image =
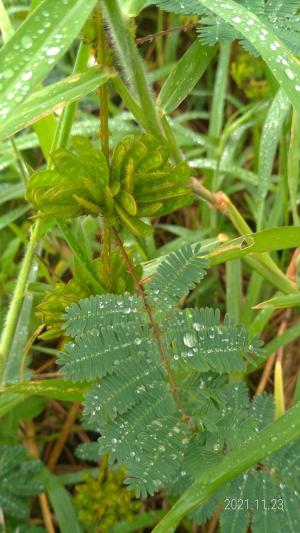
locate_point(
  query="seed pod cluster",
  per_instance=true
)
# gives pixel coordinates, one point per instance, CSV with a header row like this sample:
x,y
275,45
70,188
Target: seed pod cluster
x,y
141,182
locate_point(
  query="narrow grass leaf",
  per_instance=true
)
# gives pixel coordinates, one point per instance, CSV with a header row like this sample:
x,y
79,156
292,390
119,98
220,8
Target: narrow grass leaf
x,y
185,75
274,437
36,46
12,215
52,98
268,147
58,389
281,301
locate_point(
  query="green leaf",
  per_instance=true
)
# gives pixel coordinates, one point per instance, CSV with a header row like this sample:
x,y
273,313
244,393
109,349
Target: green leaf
x,y
53,97
62,504
185,75
54,388
12,215
281,301
132,8
263,241
35,48
271,439
282,63
176,275
19,474
11,192
270,137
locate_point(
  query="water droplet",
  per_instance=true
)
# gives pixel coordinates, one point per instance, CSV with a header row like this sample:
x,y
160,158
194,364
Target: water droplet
x,y
53,51
27,75
190,340
290,74
26,42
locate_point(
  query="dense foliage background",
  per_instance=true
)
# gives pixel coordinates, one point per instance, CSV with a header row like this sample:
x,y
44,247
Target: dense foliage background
x,y
131,132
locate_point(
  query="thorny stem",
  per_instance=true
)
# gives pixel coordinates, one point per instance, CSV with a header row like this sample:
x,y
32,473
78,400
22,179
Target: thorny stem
x,y
155,327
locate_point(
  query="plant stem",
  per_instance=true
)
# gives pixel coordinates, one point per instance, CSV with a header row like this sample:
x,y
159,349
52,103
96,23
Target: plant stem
x,y
103,93
132,63
61,138
104,136
155,327
64,126
17,300
263,263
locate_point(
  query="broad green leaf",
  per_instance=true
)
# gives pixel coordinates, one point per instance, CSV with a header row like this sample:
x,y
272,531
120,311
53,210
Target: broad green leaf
x,y
53,388
274,437
280,302
37,45
53,97
185,75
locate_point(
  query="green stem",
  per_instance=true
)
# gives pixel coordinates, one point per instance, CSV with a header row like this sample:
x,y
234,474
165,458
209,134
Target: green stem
x,y
86,265
262,262
17,300
129,101
132,63
103,93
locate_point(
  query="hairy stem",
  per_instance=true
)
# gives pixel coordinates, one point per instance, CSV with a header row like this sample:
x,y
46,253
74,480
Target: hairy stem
x,y
132,63
17,300
155,327
103,93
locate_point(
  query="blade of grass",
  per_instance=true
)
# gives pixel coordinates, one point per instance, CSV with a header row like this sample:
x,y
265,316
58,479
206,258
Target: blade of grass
x,y
53,97
29,55
184,76
281,301
293,165
59,389
12,215
274,437
282,63
62,504
268,146
234,288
